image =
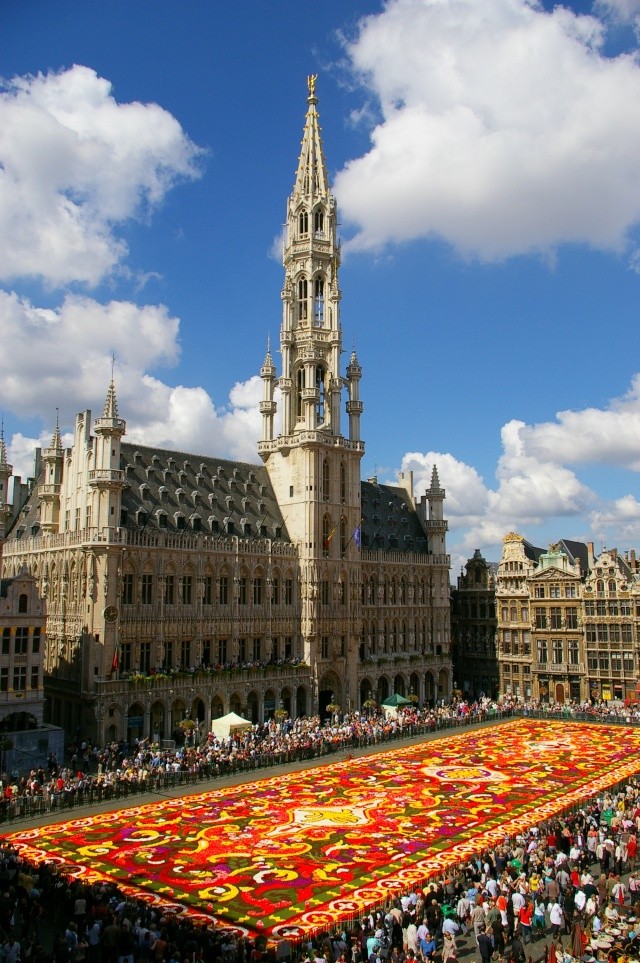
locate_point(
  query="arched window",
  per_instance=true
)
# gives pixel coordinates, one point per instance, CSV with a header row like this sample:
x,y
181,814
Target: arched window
x,y
325,480
343,535
303,223
300,389
318,222
326,534
302,299
612,588
318,301
322,394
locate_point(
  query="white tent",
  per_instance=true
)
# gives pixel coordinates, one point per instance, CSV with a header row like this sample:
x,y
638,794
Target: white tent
x,y
228,725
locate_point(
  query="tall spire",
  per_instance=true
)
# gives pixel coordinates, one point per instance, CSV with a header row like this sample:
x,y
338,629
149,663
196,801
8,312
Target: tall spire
x,y
56,440
311,177
3,447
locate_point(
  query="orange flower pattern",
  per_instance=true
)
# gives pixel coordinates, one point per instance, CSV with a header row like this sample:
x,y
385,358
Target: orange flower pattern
x,y
291,854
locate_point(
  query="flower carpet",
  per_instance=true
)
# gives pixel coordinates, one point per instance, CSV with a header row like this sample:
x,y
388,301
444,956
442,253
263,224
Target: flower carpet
x,y
289,855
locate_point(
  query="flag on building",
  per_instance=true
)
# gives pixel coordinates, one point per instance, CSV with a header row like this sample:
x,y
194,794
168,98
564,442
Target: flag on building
x,y
115,661
357,535
327,540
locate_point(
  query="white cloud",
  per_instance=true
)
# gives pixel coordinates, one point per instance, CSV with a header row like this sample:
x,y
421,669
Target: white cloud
x,y
618,522
62,359
622,11
533,484
466,492
74,163
186,419
538,490
504,129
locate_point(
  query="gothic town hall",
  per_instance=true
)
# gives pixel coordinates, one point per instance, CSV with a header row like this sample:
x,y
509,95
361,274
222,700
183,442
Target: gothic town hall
x,y
183,586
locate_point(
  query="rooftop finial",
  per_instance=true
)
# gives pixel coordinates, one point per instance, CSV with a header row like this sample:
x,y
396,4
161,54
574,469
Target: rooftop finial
x,y
311,84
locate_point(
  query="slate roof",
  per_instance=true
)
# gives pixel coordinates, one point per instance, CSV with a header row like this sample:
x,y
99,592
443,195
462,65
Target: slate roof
x,y
579,551
177,491
389,519
532,551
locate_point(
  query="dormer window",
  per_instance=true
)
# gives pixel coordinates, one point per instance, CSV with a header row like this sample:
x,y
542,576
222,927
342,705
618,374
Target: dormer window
x,y
180,521
196,523
162,519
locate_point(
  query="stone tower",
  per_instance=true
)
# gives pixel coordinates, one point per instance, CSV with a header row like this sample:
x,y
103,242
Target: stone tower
x,y
313,467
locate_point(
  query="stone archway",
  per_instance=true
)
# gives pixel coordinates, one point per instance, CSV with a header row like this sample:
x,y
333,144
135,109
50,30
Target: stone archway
x,y
156,719
382,689
301,701
135,722
329,692
399,685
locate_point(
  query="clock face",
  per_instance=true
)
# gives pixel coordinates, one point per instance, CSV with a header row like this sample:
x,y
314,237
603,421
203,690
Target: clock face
x,y
110,613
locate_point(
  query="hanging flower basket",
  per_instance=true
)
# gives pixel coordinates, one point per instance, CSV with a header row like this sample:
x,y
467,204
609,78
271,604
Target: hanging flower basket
x,y
333,707
187,725
280,714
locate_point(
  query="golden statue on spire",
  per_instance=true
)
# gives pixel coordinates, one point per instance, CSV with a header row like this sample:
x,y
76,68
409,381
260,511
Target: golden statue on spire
x,y
311,84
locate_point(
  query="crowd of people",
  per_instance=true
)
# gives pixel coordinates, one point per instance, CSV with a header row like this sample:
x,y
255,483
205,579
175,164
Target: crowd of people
x,y
565,890
92,774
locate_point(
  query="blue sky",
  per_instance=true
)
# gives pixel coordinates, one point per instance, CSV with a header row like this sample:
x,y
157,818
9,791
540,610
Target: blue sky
x,y
484,157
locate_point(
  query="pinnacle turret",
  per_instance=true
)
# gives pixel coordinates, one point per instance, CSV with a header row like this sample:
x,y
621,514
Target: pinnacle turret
x,y
56,439
110,409
4,465
110,423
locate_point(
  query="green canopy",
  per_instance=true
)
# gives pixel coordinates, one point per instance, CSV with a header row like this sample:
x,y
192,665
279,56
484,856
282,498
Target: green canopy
x,y
396,700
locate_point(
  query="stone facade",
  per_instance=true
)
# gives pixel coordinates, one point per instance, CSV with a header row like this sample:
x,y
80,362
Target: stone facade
x,y
182,585
473,629
568,622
